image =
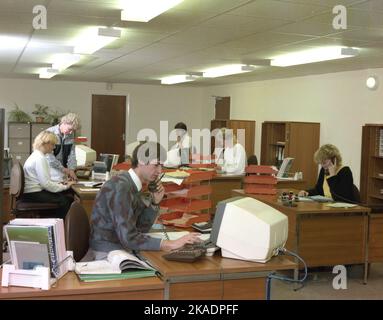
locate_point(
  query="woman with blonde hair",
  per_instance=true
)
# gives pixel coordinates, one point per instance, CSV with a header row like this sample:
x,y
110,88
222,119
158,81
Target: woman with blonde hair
x,y
335,180
39,187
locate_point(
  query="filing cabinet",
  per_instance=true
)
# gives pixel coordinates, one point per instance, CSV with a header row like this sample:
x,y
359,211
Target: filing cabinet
x,y
21,137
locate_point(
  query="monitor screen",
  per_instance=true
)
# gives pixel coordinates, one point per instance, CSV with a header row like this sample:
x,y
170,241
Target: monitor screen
x,y
85,156
247,229
109,159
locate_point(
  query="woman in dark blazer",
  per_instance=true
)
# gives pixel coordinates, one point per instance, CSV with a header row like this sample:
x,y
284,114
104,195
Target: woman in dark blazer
x,y
335,180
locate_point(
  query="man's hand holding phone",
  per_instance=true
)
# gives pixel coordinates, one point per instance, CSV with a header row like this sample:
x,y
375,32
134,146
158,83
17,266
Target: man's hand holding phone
x,y
157,190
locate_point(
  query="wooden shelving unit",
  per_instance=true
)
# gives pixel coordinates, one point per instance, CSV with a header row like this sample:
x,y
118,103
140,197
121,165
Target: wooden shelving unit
x,y
371,184
298,140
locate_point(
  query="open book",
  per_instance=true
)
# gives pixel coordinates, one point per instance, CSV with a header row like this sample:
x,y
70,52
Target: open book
x,y
118,265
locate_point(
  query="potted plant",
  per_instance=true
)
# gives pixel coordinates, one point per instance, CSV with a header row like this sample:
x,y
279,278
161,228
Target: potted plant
x,y
41,112
18,115
54,116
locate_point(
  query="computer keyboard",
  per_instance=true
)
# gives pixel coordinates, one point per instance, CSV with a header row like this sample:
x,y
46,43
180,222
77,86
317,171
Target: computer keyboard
x,y
200,245
185,255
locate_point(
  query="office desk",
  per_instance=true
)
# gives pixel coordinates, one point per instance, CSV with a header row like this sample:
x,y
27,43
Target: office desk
x,y
70,288
321,235
86,198
216,277
223,184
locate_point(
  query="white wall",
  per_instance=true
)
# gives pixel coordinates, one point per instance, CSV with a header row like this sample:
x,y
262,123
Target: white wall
x,y
147,104
339,101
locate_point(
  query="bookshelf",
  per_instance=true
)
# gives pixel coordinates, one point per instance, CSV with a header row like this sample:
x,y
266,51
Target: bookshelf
x,y
371,171
298,140
247,125
189,202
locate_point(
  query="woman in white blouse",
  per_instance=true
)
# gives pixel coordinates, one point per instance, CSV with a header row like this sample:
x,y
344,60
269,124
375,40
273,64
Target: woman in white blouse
x,y
230,154
39,187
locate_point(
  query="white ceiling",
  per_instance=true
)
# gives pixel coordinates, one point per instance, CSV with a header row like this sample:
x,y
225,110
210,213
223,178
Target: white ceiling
x,y
191,37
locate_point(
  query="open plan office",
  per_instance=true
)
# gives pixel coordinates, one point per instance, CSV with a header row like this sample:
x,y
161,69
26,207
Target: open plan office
x,y
191,150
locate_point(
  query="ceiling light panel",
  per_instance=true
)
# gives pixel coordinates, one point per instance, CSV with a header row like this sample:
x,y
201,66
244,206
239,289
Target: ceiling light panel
x,y
313,55
227,70
94,39
145,10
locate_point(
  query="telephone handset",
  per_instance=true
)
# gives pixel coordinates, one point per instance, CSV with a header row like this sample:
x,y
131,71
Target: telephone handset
x,y
333,162
152,186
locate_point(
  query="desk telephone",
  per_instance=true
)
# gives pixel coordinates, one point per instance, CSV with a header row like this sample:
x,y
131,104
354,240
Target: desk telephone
x,y
82,173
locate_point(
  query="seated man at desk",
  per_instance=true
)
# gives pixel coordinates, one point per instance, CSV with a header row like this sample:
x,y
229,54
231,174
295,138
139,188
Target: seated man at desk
x,y
230,155
122,215
335,180
179,153
39,187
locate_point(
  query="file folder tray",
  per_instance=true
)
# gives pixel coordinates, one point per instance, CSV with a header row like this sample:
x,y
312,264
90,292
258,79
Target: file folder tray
x,y
40,277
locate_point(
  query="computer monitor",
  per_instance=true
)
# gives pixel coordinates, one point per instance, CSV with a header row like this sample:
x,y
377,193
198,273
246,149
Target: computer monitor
x,y
109,159
284,170
247,229
85,156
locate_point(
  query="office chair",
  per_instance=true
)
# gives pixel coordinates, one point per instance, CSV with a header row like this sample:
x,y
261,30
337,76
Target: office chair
x,y
19,207
77,231
356,193
252,160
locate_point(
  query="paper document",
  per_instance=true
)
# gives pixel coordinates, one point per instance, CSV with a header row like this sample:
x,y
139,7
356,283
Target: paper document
x,y
305,199
319,198
176,235
90,184
89,189
341,205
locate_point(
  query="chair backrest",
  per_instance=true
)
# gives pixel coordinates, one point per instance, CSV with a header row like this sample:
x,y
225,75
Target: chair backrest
x,y
252,160
77,231
356,193
16,187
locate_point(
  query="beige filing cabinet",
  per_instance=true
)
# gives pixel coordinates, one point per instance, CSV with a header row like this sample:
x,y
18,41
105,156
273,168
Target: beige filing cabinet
x,y
20,138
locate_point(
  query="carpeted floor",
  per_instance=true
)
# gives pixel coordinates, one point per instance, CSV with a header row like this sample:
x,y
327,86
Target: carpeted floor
x,y
318,286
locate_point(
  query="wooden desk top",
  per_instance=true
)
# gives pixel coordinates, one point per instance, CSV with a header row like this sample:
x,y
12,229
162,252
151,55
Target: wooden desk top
x,y
214,265
85,195
311,207
169,269
235,266
70,285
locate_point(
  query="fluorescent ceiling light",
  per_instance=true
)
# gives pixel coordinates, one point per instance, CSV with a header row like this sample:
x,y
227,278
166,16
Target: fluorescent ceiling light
x,y
48,73
8,42
145,10
178,79
96,38
64,61
227,70
313,55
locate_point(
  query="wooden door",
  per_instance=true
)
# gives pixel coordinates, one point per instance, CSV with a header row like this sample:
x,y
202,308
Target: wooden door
x,y
302,140
108,124
222,108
